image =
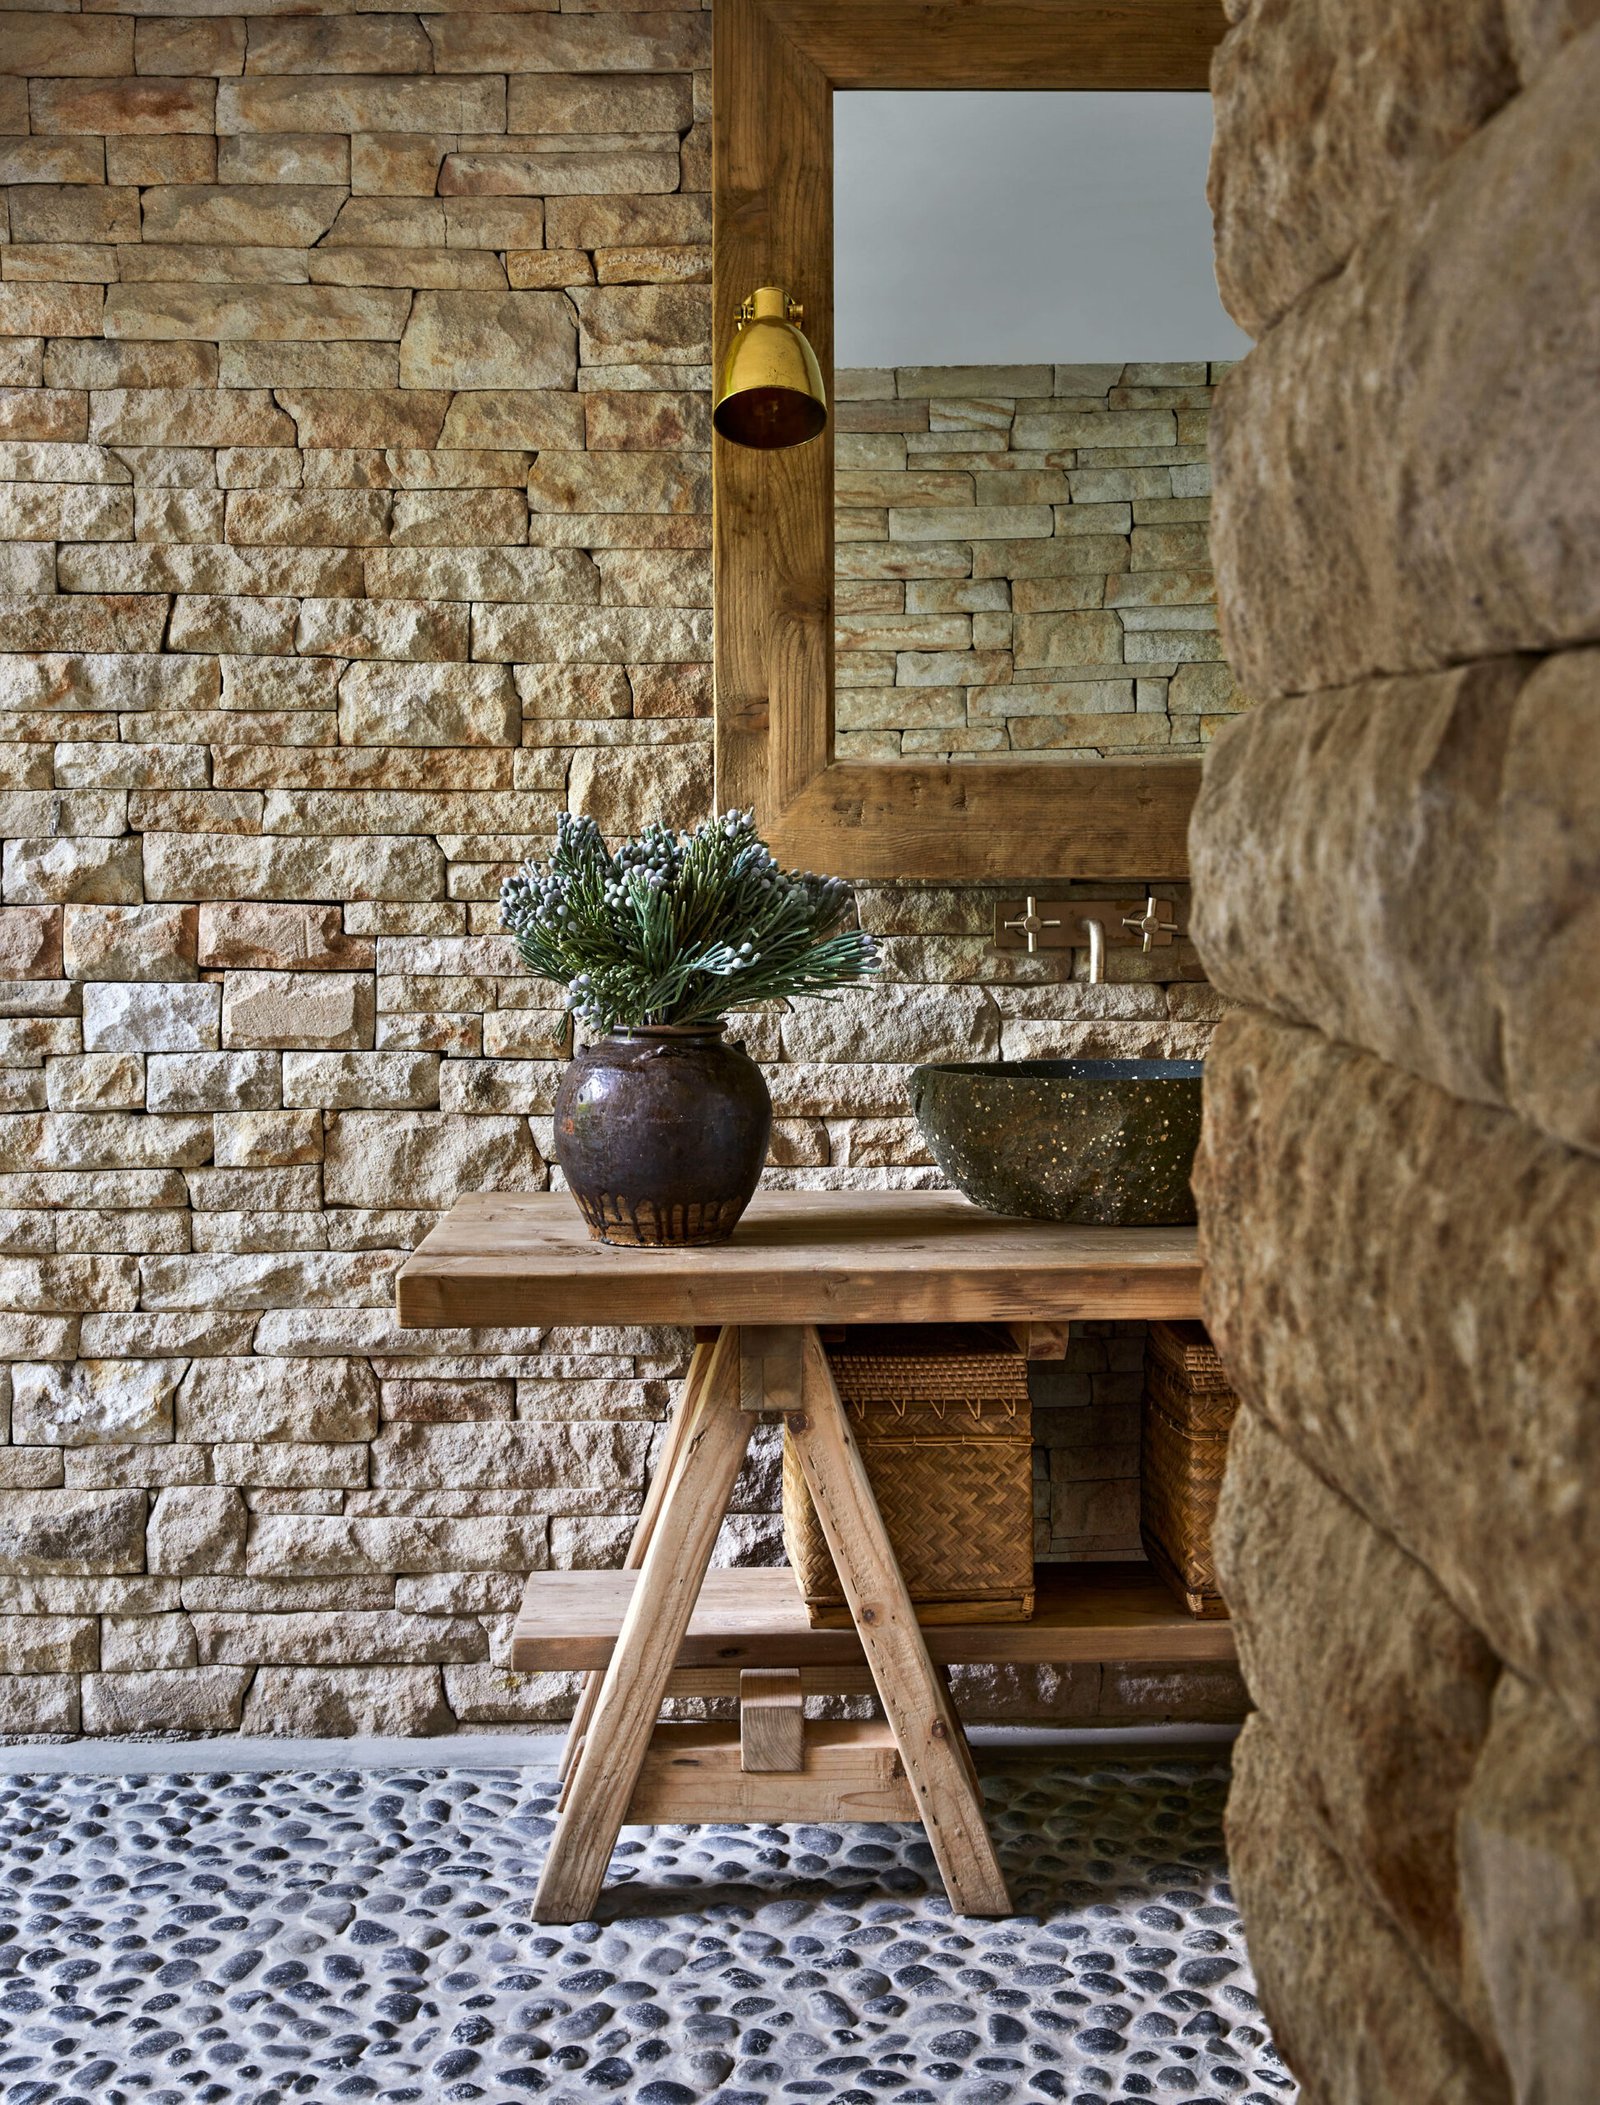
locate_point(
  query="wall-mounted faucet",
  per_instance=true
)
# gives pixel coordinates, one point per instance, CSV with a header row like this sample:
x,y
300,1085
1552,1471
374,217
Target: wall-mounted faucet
x,y
1032,924
1150,925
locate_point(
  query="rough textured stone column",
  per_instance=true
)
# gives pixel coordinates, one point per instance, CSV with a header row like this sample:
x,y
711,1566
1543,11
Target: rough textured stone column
x,y
1397,869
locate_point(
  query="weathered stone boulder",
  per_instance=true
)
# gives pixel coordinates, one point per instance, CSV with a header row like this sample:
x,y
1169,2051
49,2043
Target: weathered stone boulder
x,y
1418,436
1544,935
1530,1863
1328,116
1408,1288
1351,2011
1540,29
1365,1671
1343,851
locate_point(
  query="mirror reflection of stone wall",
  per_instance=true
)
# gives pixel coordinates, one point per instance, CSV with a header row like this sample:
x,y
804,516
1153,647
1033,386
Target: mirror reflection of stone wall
x,y
1022,563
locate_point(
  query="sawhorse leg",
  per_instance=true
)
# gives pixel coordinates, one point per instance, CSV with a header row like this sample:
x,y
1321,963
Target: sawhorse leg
x,y
785,1370
694,1498
671,1447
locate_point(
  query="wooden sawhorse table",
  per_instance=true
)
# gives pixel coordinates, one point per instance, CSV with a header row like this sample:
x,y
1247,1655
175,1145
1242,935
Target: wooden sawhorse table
x,y
798,1261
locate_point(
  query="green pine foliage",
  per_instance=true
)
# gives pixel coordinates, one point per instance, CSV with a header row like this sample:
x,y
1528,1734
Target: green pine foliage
x,y
680,927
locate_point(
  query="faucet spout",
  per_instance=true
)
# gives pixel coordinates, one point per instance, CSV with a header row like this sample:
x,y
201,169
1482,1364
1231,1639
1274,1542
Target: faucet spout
x,y
1097,951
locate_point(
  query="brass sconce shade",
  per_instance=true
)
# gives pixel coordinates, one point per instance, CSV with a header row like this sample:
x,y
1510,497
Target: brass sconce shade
x,y
772,393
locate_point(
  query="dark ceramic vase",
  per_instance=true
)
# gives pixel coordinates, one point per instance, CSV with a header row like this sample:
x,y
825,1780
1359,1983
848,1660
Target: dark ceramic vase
x,y
662,1132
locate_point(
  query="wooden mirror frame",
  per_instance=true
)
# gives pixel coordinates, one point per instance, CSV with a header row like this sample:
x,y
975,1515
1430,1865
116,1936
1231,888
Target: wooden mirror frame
x,y
775,67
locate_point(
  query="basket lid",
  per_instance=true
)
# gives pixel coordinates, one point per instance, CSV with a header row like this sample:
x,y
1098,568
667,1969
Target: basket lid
x,y
1187,1349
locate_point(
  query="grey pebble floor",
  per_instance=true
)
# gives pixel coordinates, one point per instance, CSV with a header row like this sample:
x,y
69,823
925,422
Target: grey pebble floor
x,y
217,1939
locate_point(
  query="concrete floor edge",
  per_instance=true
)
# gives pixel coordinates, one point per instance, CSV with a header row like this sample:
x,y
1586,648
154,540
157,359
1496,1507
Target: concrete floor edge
x,y
498,1750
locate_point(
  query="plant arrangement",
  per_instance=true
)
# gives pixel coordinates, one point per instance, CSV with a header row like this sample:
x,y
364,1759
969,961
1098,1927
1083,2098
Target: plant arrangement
x,y
679,928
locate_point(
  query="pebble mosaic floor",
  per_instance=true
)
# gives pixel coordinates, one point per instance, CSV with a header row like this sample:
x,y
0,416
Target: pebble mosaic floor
x,y
216,1939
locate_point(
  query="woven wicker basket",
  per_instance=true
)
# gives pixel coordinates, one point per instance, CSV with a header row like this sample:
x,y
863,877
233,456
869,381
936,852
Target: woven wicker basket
x,y
1188,1412
942,1420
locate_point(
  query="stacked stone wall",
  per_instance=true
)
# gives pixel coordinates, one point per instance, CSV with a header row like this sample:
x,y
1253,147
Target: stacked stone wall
x,y
1397,871
1023,563
353,519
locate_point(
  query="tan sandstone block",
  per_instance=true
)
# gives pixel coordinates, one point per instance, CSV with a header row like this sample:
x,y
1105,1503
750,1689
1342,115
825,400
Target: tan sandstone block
x,y
1344,855
1530,1844
44,1644
270,1009
619,482
72,869
41,1706
30,942
1540,29
375,1638
272,314
199,1082
131,1644
199,1699
429,705
97,1082
1384,437
624,788
1348,2005
1465,1330
283,215
183,47
199,1528
267,1139
113,106
486,340
361,103
279,938
340,1702
278,1399
66,46
1376,1684
423,1158
341,44
644,324
74,1533
1328,118
223,867
130,942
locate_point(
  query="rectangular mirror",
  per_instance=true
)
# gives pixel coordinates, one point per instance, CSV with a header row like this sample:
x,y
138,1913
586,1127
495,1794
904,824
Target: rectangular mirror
x,y
1026,337
875,749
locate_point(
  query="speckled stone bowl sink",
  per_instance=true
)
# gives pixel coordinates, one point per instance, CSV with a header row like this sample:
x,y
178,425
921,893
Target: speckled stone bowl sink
x,y
1106,1142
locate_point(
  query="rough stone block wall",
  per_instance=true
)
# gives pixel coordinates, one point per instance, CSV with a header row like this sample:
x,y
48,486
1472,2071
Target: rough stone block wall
x,y
1023,563
354,518
1397,871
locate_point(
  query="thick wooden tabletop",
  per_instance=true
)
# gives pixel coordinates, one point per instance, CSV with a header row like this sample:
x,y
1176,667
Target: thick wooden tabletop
x,y
510,1258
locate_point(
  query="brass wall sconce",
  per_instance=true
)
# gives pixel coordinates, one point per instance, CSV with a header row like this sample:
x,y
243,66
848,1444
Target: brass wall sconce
x,y
772,393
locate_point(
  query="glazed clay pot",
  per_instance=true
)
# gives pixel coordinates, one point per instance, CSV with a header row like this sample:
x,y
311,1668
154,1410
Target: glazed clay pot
x,y
662,1132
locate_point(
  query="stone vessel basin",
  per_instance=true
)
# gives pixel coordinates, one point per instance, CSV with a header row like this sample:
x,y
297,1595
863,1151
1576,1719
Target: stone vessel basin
x,y
1104,1142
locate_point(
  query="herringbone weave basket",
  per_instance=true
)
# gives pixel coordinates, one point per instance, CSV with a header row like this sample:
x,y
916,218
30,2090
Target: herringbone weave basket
x,y
942,1419
1183,1448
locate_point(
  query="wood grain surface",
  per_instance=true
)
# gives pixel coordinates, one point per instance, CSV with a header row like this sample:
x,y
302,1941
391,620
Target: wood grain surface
x,y
510,1258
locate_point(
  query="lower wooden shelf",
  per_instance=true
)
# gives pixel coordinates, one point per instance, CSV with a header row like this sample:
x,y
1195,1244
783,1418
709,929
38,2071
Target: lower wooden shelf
x,y
692,1773
1110,1614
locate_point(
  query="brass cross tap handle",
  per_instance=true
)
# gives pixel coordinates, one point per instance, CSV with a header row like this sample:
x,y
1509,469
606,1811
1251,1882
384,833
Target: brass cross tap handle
x,y
1031,924
1149,924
